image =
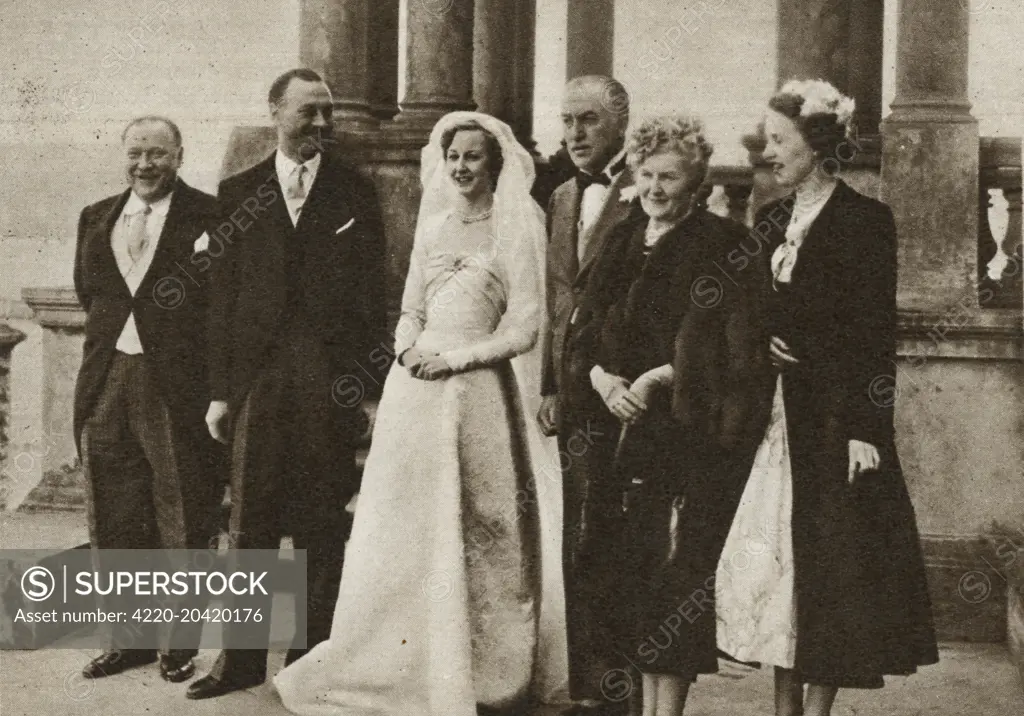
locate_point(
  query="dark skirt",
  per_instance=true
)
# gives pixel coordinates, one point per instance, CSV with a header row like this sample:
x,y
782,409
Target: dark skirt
x,y
863,609
679,508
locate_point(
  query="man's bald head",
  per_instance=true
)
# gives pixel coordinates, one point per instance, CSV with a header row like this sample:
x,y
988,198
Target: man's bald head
x,y
595,114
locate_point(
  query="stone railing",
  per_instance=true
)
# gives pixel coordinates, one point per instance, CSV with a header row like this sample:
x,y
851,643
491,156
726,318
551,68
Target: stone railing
x,y
730,192
9,337
1000,261
50,476
737,191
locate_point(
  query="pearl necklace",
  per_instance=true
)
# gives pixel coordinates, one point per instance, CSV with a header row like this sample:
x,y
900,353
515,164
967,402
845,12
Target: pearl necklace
x,y
471,219
811,193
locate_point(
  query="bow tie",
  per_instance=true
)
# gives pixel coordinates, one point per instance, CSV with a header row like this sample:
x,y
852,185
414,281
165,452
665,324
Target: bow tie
x,y
583,180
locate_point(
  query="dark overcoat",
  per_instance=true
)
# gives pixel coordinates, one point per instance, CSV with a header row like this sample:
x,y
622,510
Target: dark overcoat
x,y
863,608
684,463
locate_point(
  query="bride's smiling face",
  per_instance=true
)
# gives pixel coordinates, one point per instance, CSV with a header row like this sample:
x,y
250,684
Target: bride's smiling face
x,y
468,164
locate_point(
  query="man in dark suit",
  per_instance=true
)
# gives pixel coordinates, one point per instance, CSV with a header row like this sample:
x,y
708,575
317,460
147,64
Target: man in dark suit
x,y
296,307
581,214
141,393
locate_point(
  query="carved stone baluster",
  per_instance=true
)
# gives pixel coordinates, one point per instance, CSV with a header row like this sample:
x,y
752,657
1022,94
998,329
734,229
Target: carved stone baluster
x,y
9,337
988,247
738,200
1012,284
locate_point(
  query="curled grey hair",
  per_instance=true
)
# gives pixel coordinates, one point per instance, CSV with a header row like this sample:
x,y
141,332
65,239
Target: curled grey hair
x,y
681,134
607,90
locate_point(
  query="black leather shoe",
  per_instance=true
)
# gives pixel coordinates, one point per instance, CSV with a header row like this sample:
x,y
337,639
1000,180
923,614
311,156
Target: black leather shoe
x,y
176,667
117,660
209,687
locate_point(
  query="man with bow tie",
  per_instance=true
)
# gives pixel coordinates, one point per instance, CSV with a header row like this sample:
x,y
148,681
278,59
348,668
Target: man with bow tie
x,y
581,213
297,308
150,466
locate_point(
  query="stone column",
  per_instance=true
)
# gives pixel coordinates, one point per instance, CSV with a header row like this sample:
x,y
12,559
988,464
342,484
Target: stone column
x,y
839,41
384,59
438,59
335,38
930,159
494,56
523,74
590,38
864,63
503,48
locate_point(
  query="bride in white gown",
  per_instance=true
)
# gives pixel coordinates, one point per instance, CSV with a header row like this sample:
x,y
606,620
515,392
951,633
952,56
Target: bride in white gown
x,y
451,597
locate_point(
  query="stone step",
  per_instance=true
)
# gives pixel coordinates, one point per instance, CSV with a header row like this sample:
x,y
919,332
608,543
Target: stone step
x,y
58,490
36,635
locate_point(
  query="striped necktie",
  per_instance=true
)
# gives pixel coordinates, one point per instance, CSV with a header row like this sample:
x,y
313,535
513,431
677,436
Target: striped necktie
x,y
138,234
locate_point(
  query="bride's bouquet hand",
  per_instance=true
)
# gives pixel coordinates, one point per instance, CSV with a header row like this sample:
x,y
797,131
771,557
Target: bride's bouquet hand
x,y
433,367
411,359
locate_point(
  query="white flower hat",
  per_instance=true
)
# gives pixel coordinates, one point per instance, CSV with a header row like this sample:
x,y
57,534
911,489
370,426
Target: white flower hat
x,y
821,97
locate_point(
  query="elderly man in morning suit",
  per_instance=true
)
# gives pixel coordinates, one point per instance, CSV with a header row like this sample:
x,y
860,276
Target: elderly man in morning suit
x,y
150,466
581,213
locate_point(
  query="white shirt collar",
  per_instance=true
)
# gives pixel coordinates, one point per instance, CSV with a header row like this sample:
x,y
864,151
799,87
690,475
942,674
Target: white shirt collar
x,y
285,165
615,160
607,171
135,204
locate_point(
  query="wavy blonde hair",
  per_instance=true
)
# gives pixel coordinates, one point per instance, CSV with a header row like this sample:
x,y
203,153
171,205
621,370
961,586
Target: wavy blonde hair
x,y
682,134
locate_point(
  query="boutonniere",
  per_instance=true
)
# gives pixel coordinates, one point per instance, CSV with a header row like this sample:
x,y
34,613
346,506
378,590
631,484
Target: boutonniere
x,y
627,194
202,243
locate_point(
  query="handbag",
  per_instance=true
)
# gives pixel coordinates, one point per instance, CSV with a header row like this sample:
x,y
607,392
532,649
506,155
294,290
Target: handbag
x,y
643,502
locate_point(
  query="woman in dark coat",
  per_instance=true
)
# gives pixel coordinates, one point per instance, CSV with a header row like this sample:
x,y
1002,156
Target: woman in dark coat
x,y
822,574
674,354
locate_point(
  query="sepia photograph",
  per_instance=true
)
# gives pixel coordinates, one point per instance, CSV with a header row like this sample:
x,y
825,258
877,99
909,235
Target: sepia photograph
x,y
512,358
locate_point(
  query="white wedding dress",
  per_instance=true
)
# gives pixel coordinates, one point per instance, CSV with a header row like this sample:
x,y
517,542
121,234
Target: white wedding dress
x,y
451,594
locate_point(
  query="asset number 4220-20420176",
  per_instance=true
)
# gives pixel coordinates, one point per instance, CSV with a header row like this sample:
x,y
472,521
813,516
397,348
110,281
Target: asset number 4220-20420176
x,y
197,615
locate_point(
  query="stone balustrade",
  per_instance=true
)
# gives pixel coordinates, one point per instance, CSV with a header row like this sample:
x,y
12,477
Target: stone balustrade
x,y
1000,260
51,474
9,337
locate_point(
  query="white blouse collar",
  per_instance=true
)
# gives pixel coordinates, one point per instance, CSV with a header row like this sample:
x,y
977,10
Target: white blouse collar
x,y
813,192
811,196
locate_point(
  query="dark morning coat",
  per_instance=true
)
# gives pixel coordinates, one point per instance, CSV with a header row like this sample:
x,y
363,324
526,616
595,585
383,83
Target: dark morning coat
x,y
170,305
296,320
862,601
340,274
566,274
694,446
586,495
